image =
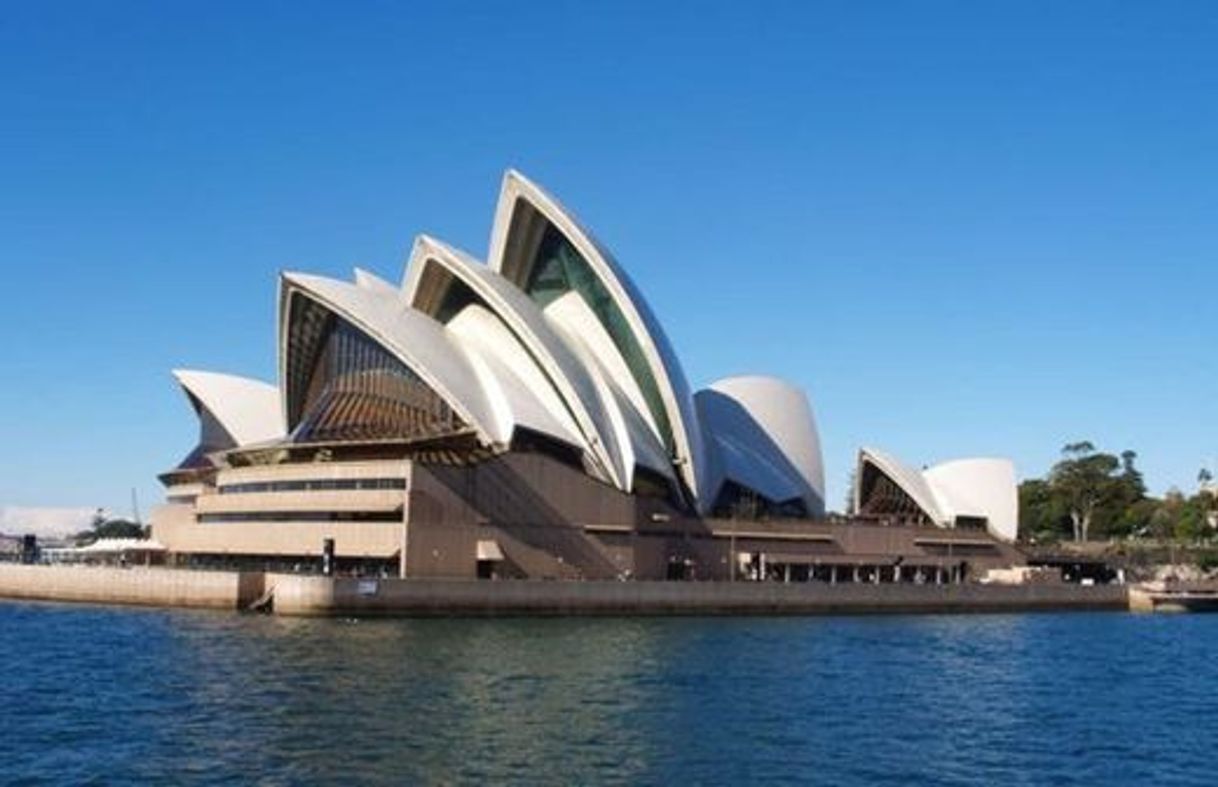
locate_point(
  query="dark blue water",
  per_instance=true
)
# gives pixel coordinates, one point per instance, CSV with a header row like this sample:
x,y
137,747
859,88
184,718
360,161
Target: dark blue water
x,y
113,695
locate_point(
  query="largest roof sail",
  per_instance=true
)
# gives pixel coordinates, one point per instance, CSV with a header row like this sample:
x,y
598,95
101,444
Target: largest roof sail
x,y
446,284
542,249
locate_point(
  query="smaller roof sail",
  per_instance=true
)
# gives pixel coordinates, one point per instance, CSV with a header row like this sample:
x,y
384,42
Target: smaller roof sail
x,y
233,411
518,391
979,488
974,490
418,342
765,438
627,432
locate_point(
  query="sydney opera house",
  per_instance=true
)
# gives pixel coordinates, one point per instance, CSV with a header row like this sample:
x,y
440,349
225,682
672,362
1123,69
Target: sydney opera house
x,y
527,417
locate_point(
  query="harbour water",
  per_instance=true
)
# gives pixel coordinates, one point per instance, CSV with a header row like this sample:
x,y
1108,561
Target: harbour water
x,y
109,695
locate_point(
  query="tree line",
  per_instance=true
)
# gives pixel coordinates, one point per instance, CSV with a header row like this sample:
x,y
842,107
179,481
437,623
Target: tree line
x,y
103,526
1090,495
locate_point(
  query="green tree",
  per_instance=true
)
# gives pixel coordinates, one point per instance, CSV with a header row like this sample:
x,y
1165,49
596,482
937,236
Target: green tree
x,y
1137,519
1042,516
1083,479
1123,496
104,527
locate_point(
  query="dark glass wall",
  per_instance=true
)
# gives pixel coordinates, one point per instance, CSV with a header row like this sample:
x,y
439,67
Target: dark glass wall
x,y
343,385
559,268
879,495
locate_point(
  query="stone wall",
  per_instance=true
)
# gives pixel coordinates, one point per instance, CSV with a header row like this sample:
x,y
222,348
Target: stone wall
x,y
299,595
146,586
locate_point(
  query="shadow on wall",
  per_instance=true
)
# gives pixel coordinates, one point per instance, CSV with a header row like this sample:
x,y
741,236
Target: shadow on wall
x,y
507,499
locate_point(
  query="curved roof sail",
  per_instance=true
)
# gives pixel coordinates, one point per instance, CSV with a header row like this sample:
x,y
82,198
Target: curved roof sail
x,y
541,248
418,342
980,490
629,434
233,411
442,282
765,436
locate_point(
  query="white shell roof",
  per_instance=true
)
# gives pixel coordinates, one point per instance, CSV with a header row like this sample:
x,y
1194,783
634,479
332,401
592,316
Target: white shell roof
x,y
907,478
503,362
974,487
516,388
247,410
629,436
418,341
766,436
979,487
690,457
568,376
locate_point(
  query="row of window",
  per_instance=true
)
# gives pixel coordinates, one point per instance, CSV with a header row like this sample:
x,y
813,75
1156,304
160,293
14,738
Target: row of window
x,y
304,516
321,485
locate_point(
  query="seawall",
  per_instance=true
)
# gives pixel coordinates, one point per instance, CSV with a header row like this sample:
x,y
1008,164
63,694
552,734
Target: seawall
x,y
142,586
319,596
299,595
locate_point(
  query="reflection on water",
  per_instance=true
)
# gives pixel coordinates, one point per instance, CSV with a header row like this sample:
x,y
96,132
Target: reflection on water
x,y
153,696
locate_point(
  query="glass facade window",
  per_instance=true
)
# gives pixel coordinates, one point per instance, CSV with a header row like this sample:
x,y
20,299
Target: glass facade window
x,y
881,496
558,268
343,385
736,501
303,516
257,487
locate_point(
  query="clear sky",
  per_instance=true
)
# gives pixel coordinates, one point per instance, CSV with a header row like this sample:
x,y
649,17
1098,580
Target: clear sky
x,y
966,228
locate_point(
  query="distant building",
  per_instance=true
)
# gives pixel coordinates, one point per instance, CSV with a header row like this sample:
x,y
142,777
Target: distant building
x,y
10,548
524,417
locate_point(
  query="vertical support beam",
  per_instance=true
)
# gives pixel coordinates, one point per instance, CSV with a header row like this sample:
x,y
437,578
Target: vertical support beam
x,y
404,550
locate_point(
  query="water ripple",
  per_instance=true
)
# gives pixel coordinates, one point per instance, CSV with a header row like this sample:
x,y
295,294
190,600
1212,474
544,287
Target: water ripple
x,y
94,695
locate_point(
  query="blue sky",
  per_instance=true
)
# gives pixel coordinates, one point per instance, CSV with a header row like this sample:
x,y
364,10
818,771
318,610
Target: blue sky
x,y
966,228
